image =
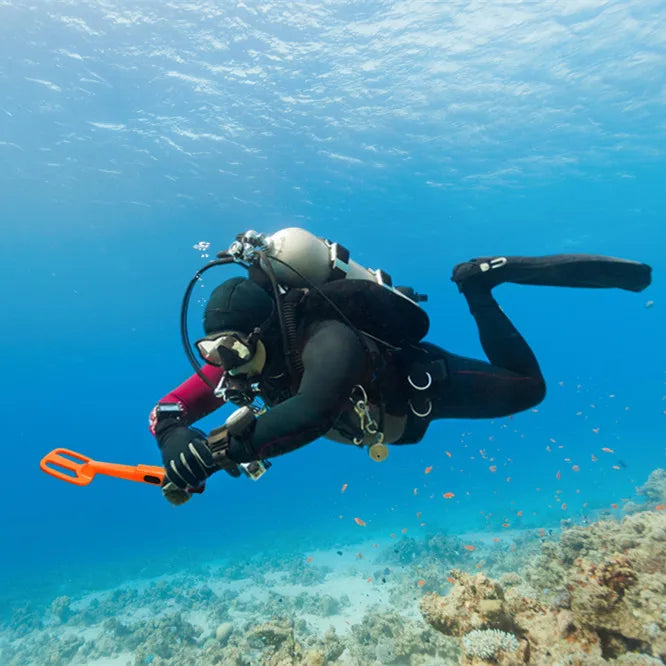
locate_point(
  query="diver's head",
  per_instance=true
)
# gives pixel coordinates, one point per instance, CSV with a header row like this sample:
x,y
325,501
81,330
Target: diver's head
x,y
236,314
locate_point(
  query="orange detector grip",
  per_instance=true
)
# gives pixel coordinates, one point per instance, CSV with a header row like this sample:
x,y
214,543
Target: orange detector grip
x,y
80,470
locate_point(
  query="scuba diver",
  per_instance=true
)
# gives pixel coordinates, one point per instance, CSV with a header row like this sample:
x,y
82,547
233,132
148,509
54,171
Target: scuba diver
x,y
311,344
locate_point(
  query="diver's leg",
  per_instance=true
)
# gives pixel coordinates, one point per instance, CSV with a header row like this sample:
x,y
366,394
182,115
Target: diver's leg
x,y
476,390
557,270
510,383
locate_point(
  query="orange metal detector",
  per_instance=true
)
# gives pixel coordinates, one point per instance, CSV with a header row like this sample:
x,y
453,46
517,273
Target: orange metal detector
x,y
80,470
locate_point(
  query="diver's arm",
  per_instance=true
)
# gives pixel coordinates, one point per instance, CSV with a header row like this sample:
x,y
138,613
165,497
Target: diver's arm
x,y
334,361
194,396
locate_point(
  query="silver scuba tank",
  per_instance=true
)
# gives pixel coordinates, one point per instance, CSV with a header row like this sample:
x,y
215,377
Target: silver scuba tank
x,y
301,259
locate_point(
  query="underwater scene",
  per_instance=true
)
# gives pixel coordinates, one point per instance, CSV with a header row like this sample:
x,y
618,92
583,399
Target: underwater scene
x,y
333,332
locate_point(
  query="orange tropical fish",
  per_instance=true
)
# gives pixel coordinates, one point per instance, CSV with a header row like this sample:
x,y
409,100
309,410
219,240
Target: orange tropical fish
x,y
505,525
575,468
392,535
564,506
428,469
448,453
418,514
420,582
558,476
660,507
360,522
470,548
404,530
519,513
542,532
451,580
370,580
448,495
492,468
614,505
344,487
495,539
605,449
309,560
594,458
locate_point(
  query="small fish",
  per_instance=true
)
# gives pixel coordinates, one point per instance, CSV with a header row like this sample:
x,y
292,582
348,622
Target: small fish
x,y
519,513
404,530
470,548
451,580
558,476
594,458
595,431
428,469
420,582
564,506
495,540
660,507
448,495
415,491
575,468
418,514
360,522
505,525
448,453
344,487
605,449
309,560
492,468
370,580
616,467
359,555
614,505
392,535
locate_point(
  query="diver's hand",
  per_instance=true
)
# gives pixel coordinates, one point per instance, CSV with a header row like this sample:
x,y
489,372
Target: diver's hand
x,y
175,495
187,459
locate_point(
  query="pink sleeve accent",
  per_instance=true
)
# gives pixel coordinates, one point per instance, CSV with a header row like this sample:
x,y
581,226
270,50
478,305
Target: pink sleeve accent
x,y
195,396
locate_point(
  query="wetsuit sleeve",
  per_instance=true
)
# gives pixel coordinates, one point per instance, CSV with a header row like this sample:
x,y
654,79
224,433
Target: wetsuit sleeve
x,y
333,362
194,395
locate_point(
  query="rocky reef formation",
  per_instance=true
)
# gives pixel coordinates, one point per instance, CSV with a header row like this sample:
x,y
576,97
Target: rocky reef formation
x,y
597,596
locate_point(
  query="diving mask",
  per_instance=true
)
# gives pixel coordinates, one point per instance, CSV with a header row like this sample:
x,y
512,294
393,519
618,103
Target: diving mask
x,y
229,349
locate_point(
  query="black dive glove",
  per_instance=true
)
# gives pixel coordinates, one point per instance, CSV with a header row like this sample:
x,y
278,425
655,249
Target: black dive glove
x,y
187,459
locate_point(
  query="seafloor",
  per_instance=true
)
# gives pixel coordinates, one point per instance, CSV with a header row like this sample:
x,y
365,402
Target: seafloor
x,y
582,595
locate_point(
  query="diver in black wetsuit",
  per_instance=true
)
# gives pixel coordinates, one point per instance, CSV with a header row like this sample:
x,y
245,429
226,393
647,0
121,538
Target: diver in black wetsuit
x,y
339,380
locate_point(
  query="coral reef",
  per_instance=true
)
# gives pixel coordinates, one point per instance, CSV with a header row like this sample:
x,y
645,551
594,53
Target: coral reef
x,y
596,597
489,644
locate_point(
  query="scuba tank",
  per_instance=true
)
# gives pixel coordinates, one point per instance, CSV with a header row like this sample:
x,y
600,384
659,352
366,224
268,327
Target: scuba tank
x,y
300,259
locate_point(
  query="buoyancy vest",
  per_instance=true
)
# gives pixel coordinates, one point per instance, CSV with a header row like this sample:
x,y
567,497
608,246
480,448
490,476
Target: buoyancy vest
x,y
371,308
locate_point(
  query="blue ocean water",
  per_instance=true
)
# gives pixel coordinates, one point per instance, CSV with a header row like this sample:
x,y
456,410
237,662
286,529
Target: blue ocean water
x,y
418,134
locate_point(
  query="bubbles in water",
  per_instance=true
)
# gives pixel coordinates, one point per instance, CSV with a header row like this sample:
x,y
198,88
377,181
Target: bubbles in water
x,y
202,246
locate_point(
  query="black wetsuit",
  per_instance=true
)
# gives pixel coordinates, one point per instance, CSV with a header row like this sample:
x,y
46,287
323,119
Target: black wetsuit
x,y
335,360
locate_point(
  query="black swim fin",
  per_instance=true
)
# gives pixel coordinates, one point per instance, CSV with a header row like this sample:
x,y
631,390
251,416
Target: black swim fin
x,y
556,270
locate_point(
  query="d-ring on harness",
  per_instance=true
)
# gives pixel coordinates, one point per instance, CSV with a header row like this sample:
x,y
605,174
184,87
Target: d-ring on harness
x,y
421,387
422,378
